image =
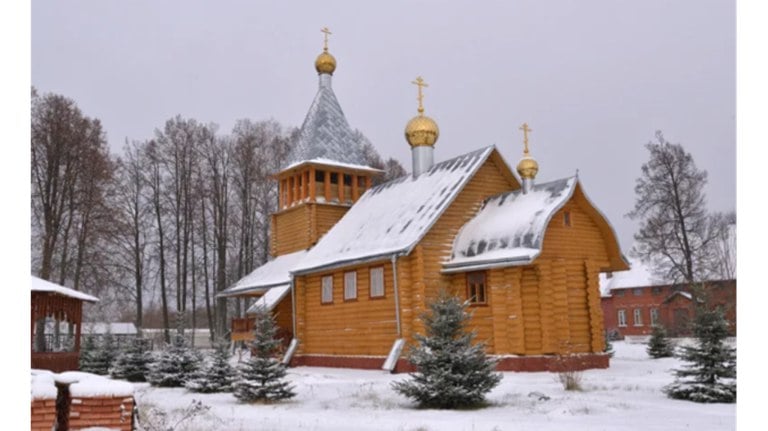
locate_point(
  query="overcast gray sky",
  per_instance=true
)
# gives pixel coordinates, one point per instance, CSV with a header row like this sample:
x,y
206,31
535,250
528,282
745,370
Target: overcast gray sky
x,y
594,79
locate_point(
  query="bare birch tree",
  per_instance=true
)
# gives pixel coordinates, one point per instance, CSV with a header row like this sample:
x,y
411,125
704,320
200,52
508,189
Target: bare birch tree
x,y
676,232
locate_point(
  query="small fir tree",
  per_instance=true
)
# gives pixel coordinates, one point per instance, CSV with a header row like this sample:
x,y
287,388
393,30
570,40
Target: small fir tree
x,y
87,354
177,363
710,375
217,376
608,344
262,377
452,372
133,363
659,345
100,355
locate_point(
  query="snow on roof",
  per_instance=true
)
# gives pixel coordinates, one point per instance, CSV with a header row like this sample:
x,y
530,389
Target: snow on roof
x,y
325,133
392,217
82,385
40,285
329,162
509,228
639,275
270,299
109,327
686,295
273,273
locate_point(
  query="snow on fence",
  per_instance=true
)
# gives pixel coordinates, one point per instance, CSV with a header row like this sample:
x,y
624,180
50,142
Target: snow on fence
x,y
80,399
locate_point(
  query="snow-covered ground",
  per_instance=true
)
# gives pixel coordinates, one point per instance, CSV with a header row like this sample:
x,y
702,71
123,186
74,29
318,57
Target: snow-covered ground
x,y
627,396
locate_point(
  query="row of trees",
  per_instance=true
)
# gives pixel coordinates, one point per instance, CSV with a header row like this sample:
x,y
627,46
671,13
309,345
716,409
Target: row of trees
x,y
166,224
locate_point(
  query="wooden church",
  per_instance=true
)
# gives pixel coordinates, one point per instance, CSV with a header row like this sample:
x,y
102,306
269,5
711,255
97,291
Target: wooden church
x,y
354,265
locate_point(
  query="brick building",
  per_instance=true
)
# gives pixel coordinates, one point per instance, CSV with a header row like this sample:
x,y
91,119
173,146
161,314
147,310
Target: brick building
x,y
632,303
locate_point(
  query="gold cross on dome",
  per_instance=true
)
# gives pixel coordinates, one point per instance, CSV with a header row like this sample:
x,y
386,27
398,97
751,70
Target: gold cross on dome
x,y
420,83
325,42
525,130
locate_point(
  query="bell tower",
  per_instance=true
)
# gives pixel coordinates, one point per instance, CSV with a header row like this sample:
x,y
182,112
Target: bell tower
x,y
326,171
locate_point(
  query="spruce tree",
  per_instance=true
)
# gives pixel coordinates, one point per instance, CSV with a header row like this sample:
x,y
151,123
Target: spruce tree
x,y
659,345
217,376
133,363
608,344
262,377
97,357
710,373
452,372
87,354
177,363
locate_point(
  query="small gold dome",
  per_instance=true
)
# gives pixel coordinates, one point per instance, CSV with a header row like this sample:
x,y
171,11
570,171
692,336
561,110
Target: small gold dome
x,y
527,167
421,130
325,63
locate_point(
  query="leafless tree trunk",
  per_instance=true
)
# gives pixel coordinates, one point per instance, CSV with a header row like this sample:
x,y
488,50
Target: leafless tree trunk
x,y
155,186
215,171
129,236
676,232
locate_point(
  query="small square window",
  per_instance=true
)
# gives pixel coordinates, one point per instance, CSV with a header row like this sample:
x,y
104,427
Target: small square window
x,y
347,180
327,290
618,292
476,288
377,282
638,291
656,290
350,285
334,178
319,176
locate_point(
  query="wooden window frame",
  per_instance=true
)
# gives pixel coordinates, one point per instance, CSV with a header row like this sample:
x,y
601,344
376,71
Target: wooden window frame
x,y
383,283
654,316
567,218
483,286
637,317
346,285
621,317
322,290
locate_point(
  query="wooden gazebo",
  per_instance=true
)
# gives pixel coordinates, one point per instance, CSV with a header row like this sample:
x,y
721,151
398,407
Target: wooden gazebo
x,y
53,305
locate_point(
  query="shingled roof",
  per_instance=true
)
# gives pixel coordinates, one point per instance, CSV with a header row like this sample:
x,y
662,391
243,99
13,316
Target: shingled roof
x,y
325,133
509,228
391,218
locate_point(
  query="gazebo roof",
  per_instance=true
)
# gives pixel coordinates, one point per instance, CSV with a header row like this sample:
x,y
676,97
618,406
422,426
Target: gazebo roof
x,y
40,285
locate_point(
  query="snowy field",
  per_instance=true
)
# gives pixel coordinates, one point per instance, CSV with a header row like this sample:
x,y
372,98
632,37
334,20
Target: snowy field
x,y
627,396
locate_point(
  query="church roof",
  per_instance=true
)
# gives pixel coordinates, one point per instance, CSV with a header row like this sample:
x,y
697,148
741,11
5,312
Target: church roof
x,y
276,272
325,133
509,228
392,217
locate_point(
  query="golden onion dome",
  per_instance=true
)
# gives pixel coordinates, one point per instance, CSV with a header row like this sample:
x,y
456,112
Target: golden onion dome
x,y
325,63
421,130
527,167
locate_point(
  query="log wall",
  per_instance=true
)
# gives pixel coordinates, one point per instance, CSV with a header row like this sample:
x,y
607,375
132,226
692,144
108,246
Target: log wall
x,y
362,326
